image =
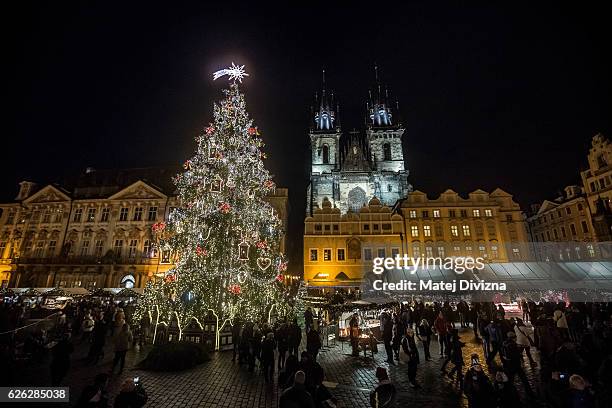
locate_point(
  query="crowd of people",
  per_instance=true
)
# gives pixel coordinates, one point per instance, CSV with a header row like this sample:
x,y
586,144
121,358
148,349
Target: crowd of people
x,y
89,323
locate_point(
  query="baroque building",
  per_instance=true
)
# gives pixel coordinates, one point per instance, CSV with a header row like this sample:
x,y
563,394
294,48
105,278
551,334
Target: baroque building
x,y
93,230
350,169
576,225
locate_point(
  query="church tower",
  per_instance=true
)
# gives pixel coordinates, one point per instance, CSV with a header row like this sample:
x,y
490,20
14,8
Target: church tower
x,y
324,145
384,130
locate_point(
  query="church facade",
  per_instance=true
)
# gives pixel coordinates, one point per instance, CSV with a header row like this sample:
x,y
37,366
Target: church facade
x,y
349,169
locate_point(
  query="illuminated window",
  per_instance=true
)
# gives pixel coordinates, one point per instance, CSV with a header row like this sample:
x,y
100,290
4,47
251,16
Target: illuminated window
x,y
456,250
132,248
412,213
427,230
59,214
414,231
77,215
39,249
340,254
416,250
91,214
468,250
494,253
488,213
516,253
454,231
436,213
118,247
146,248
138,214
482,251
429,252
466,231
441,251
476,213
591,250
123,214
314,255
327,255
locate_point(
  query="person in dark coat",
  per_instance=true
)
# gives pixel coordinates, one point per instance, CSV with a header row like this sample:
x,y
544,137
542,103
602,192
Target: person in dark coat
x,y
285,376
294,337
282,344
354,334
308,319
313,343
456,357
267,356
385,393
506,395
477,387
236,340
386,327
296,396
398,333
94,395
61,360
410,349
424,333
98,338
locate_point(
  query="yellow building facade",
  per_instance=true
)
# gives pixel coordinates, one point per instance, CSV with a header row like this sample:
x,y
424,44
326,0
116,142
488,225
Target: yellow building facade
x,y
339,248
95,233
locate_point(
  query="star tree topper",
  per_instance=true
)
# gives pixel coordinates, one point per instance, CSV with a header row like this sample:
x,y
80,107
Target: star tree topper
x,y
235,73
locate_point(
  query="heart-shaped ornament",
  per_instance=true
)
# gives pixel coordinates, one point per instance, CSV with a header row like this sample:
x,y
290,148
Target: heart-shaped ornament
x,y
264,263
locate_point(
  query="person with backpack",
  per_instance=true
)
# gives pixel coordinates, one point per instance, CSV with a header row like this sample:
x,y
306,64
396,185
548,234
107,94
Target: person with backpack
x,y
524,339
496,339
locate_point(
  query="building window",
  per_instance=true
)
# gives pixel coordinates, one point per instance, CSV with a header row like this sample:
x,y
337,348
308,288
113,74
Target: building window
x,y
367,254
466,231
77,215
366,227
325,154
509,217
152,213
2,248
439,233
488,213
318,227
138,214
146,249
327,255
436,213
51,249
416,250
463,213
412,213
476,213
585,227
427,230
35,216
84,248
429,252
456,250
394,252
314,255
381,252
516,253
563,234
335,228
425,213
386,227
590,250
105,214
59,213
579,207
46,216
91,214
99,248
454,231
481,251
39,249
479,230
386,152
568,210
375,226
132,248
556,233
10,218
118,247
573,229
468,250
452,213
340,254
327,227
414,231
548,236
494,253
123,214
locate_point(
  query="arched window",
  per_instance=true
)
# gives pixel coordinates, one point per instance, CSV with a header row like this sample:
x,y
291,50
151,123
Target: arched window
x,y
386,152
128,281
325,154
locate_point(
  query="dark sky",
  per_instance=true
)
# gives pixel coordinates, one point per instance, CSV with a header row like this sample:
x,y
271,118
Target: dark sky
x,y
506,96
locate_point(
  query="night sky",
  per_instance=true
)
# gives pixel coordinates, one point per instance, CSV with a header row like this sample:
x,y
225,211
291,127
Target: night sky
x,y
490,96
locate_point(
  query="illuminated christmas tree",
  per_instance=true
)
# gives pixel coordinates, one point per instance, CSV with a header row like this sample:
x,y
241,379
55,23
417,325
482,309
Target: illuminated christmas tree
x,y
224,237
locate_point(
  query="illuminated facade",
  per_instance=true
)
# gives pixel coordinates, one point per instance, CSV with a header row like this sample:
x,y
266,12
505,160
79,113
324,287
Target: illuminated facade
x,y
92,231
339,248
349,169
566,227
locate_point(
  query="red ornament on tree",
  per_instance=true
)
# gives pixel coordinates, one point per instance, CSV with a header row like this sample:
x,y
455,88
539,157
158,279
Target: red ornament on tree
x,y
282,266
158,227
262,244
209,130
280,277
252,131
225,208
201,251
171,277
235,289
268,184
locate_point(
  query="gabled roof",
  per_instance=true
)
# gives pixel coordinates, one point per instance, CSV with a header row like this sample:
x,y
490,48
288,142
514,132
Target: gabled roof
x,y
547,206
498,192
139,189
47,194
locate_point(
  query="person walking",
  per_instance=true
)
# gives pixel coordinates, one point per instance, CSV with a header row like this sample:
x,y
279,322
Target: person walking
x,y
122,341
440,327
511,359
412,353
294,338
282,345
354,334
506,395
524,339
98,339
496,339
477,387
398,333
308,319
424,335
385,393
313,343
267,357
236,340
87,327
386,326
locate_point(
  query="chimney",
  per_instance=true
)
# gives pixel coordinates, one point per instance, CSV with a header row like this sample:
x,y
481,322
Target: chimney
x,y
25,190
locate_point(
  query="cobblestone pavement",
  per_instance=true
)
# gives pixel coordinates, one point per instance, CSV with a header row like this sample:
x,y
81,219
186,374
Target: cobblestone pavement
x,y
220,383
